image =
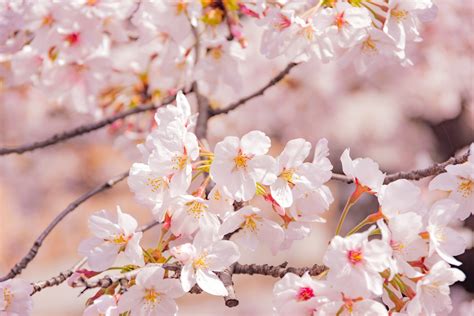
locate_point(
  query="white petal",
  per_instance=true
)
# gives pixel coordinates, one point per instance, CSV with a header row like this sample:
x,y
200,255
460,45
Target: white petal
x,y
255,143
210,283
281,192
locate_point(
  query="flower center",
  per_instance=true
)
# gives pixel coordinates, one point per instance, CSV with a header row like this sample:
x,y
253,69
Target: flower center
x,y
196,208
354,256
7,297
72,38
120,239
241,160
399,15
250,222
305,293
369,46
287,175
151,296
201,262
216,52
466,187
339,21
180,162
156,184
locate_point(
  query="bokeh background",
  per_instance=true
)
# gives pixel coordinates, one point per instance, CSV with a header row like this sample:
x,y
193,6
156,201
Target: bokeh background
x,y
403,117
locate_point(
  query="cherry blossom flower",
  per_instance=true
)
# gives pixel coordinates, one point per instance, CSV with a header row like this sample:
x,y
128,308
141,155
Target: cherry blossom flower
x,y
445,241
291,158
459,182
364,171
190,213
113,233
294,295
432,291
152,294
175,149
403,235
355,263
254,228
105,305
220,202
15,298
399,197
150,187
402,23
201,259
343,23
239,164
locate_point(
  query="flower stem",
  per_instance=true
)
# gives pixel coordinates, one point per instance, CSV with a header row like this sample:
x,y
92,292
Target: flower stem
x,y
359,190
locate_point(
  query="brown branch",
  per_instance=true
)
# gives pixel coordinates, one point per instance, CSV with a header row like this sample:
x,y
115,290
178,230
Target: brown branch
x,y
415,175
204,113
81,130
277,271
248,269
427,172
17,268
257,93
57,280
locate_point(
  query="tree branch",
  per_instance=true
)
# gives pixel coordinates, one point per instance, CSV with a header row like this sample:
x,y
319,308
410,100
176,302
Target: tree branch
x,y
17,268
248,269
418,174
83,129
257,93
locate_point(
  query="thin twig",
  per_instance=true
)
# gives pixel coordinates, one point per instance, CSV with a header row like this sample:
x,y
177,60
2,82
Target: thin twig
x,y
57,280
418,174
83,129
17,268
257,93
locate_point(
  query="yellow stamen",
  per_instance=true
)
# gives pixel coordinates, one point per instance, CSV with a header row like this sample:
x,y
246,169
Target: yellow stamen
x,y
151,296
196,208
180,162
7,297
369,46
399,15
201,262
250,222
241,160
466,187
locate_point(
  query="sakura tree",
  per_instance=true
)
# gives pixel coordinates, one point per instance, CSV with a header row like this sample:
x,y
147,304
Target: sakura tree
x,y
134,66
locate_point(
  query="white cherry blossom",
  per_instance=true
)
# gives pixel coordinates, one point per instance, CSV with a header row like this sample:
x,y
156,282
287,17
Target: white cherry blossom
x,y
113,233
239,164
294,295
15,299
444,240
458,180
364,171
202,259
253,228
105,305
354,263
432,291
152,294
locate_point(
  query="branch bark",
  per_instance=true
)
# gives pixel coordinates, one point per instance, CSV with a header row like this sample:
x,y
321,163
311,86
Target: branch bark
x,y
415,175
81,130
17,268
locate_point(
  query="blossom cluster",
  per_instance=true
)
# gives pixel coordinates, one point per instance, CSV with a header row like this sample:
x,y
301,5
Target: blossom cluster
x,y
204,202
107,55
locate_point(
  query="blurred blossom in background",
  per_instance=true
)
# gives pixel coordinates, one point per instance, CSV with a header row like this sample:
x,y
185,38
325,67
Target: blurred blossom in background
x,y
402,117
